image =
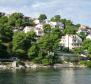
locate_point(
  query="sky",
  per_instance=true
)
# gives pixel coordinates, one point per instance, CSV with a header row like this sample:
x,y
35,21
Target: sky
x,y
79,11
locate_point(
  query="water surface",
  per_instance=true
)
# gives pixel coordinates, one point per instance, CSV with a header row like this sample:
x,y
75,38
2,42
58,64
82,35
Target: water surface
x,y
46,76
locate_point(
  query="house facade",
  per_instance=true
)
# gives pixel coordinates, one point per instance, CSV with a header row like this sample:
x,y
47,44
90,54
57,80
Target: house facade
x,y
84,29
28,29
71,41
36,21
56,24
88,37
39,30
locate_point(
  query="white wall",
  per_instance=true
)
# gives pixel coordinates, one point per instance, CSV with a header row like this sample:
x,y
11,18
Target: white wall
x,y
71,41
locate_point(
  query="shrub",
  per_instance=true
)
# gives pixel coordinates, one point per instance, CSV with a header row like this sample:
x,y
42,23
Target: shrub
x,y
86,63
45,62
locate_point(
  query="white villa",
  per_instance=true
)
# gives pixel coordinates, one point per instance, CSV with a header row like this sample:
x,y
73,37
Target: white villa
x,y
36,21
71,41
55,24
84,29
39,30
39,26
88,37
28,29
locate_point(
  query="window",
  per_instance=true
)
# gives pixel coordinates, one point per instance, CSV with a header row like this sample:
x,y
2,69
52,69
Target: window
x,y
40,32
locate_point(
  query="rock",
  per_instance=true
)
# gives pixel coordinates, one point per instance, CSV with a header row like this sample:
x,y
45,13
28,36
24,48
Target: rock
x,y
71,65
20,67
58,65
27,65
14,64
34,66
3,67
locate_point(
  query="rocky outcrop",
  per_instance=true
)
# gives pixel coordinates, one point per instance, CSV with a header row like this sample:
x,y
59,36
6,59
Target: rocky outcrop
x,y
14,65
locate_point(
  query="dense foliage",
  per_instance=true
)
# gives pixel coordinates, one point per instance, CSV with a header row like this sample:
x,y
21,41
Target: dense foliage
x,y
42,17
28,45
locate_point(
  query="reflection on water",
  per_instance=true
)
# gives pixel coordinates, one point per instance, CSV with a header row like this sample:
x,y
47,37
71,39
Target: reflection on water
x,y
67,76
46,76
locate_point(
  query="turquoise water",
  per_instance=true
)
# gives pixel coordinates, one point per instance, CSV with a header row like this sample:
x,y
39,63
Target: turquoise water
x,y
46,76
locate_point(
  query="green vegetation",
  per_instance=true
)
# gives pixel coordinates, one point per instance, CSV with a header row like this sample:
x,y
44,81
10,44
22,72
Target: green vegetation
x,y
70,30
82,35
42,17
56,18
86,47
42,49
22,42
86,63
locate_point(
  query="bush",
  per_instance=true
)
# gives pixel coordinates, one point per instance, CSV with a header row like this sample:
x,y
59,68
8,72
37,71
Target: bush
x,y
83,62
86,63
37,60
20,63
45,62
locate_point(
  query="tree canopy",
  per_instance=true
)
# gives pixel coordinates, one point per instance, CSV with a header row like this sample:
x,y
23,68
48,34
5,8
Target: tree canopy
x,y
41,49
42,17
56,18
70,30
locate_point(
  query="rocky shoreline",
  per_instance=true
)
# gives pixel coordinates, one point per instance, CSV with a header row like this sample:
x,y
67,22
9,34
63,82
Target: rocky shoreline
x,y
14,65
